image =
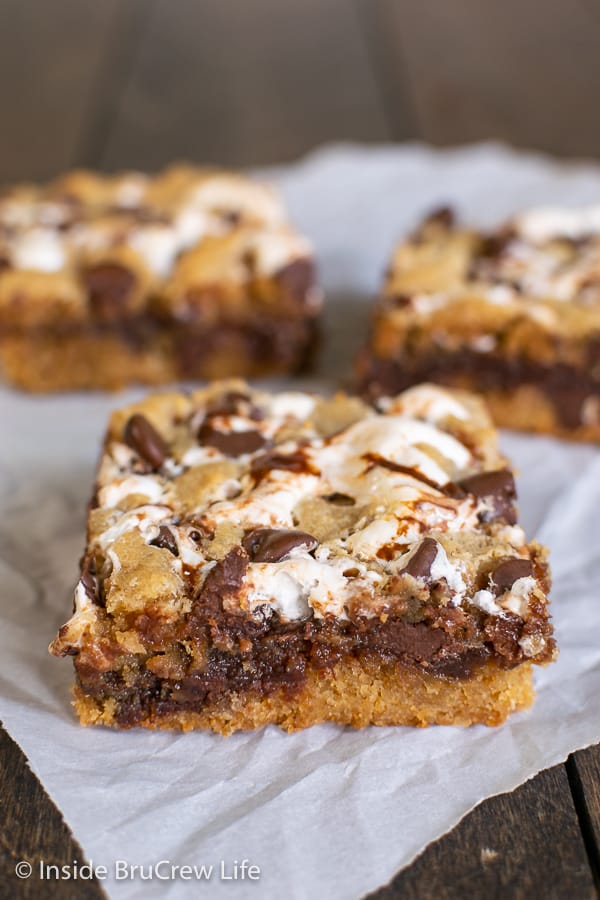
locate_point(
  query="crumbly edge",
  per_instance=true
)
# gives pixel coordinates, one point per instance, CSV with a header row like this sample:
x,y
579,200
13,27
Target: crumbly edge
x,y
356,693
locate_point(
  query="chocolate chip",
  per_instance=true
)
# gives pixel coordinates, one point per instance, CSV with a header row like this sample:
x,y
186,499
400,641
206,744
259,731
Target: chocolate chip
x,y
398,301
231,443
419,565
272,544
109,286
227,405
222,582
142,436
443,216
297,278
231,216
4,264
460,666
494,245
498,489
507,572
234,403
289,462
88,578
166,540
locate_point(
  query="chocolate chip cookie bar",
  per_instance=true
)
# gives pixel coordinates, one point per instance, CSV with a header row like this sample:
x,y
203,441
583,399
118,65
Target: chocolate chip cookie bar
x,y
259,558
188,274
514,314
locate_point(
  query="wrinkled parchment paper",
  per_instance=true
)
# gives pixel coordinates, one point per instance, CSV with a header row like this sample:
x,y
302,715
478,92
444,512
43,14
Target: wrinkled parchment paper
x,y
328,812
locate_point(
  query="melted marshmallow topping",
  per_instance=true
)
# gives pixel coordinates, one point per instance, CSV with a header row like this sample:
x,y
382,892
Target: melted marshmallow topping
x,y
356,509
50,228
544,254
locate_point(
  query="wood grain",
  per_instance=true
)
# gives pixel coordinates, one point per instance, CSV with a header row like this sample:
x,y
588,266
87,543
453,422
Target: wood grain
x,y
32,829
50,55
522,845
583,769
129,25
245,83
518,70
138,82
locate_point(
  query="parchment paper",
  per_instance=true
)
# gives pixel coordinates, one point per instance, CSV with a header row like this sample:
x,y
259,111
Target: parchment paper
x,y
329,812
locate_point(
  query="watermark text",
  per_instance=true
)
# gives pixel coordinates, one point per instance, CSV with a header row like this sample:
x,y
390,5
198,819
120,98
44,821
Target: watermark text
x,y
123,870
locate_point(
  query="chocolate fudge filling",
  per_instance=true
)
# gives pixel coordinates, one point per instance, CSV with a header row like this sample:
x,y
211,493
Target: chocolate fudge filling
x,y
218,652
289,342
110,287
264,342
567,387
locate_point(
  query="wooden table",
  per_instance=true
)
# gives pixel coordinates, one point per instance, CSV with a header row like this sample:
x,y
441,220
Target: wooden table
x,y
251,82
542,841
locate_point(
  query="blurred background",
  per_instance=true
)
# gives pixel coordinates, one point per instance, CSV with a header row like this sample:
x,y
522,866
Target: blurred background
x,y
136,83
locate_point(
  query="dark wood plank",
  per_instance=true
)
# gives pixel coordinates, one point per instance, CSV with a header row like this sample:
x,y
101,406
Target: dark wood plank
x,y
514,70
389,68
113,73
50,55
522,845
246,83
583,769
32,829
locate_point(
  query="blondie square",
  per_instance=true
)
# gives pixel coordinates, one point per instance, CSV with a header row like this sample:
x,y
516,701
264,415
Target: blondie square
x,y
258,558
513,314
192,273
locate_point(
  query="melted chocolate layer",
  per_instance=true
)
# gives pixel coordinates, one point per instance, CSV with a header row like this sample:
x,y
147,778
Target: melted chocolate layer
x,y
287,343
567,387
229,652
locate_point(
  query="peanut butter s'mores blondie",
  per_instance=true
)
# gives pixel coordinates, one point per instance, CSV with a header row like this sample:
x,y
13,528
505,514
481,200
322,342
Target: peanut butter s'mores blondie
x,y
289,559
190,273
514,314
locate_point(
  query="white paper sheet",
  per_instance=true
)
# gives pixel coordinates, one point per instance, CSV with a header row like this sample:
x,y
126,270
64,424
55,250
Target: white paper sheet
x,y
328,812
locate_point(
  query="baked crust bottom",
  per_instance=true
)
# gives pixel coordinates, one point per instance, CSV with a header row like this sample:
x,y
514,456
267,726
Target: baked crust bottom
x,y
46,362
356,693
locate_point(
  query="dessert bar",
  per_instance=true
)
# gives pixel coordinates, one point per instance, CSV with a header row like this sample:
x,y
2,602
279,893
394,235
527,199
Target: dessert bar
x,y
513,313
192,273
259,558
